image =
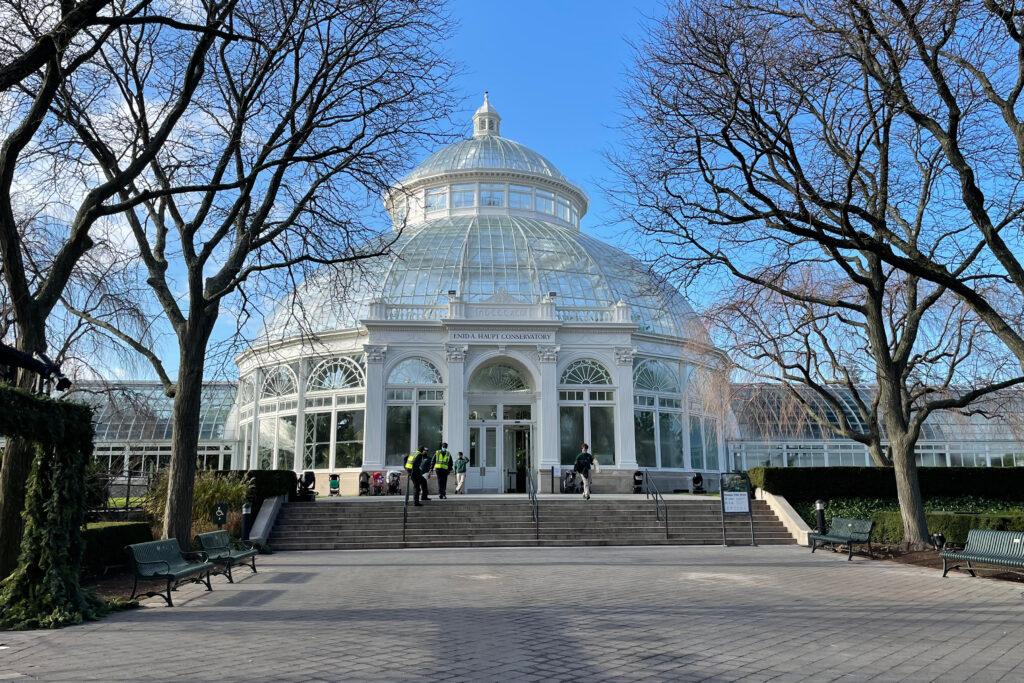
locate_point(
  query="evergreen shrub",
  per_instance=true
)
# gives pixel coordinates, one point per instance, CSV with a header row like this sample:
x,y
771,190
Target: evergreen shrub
x,y
889,525
105,542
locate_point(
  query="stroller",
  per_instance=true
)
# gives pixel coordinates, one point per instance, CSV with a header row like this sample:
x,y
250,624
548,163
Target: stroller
x,y
304,487
571,483
378,483
364,483
394,483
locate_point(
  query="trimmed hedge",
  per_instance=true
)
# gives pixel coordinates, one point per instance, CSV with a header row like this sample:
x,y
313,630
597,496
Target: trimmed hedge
x,y
889,525
105,542
811,483
267,483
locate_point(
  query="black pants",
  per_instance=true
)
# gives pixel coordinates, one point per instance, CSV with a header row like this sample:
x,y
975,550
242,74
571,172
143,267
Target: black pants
x,y
419,485
442,483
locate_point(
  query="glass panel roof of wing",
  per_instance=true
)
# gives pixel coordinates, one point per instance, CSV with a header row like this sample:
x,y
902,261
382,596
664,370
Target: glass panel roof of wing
x,y
499,257
488,152
141,411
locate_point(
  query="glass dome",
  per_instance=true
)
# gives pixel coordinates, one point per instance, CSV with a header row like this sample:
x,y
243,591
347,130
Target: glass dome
x,y
500,258
482,153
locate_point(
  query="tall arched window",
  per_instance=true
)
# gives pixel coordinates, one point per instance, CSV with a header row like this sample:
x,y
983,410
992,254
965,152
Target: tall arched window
x,y
336,374
415,409
279,382
658,418
334,424
498,378
586,411
277,420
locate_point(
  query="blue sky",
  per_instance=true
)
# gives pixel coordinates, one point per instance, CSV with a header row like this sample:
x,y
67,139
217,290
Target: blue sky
x,y
554,71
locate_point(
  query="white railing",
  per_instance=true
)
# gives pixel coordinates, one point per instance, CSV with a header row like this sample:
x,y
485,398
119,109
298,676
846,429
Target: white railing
x,y
415,312
586,315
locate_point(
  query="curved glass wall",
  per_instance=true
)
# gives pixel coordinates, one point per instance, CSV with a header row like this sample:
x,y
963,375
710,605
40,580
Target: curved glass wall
x,y
586,412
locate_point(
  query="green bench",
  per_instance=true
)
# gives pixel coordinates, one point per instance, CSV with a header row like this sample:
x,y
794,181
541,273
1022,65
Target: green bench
x,y
164,561
848,532
1004,548
222,551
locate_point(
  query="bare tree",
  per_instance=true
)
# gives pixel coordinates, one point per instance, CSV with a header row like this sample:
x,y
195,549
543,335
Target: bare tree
x,y
752,139
291,136
48,48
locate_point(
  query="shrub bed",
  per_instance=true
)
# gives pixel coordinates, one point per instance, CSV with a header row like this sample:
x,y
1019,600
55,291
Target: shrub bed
x,y
105,542
831,483
866,508
264,484
889,525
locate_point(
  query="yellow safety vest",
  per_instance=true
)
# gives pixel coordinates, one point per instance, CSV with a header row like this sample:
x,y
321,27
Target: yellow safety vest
x,y
442,460
409,459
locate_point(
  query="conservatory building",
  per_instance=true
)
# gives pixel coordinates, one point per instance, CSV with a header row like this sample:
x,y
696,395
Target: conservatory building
x,y
493,324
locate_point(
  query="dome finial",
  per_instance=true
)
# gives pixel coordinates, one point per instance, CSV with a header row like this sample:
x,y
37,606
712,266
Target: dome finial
x,y
486,120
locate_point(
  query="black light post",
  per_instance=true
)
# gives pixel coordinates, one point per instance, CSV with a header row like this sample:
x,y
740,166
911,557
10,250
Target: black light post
x,y
819,507
246,520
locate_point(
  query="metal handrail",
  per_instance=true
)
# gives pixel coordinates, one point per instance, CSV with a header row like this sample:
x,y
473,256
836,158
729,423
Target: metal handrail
x,y
405,512
531,492
659,500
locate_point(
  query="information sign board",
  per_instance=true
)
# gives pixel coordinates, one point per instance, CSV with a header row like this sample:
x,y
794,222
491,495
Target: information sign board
x,y
734,488
736,502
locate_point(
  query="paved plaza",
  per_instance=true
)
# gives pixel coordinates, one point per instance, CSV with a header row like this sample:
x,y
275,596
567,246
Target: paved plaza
x,y
539,614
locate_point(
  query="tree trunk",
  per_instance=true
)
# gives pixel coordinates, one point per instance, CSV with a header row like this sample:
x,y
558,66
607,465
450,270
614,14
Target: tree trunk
x,y
185,435
17,463
908,490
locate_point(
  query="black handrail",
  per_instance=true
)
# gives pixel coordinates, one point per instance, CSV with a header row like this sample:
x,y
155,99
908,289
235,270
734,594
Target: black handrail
x,y
659,500
405,512
531,491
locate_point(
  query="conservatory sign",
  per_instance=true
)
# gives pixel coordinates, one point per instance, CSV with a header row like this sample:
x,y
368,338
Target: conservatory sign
x,y
502,337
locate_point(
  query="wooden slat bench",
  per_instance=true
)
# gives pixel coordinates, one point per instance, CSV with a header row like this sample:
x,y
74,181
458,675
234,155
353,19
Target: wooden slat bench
x,y
227,553
1003,548
164,561
848,532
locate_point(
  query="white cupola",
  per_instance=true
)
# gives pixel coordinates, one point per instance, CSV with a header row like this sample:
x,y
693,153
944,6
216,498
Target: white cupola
x,y
486,120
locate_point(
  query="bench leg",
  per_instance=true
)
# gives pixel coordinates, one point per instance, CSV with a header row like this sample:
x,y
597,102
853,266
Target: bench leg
x,y
849,549
170,603
252,562
870,553
135,586
945,569
207,582
814,544
970,569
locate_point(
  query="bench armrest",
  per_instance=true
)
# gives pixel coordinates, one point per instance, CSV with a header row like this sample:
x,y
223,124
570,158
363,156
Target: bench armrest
x,y
200,556
166,565
244,545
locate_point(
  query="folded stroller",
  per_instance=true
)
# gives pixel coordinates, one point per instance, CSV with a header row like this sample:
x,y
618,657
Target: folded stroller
x,y
571,483
378,483
394,483
364,483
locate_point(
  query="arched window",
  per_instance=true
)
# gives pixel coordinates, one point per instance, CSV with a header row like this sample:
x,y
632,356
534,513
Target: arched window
x,y
498,378
279,382
656,376
335,374
246,392
585,372
414,371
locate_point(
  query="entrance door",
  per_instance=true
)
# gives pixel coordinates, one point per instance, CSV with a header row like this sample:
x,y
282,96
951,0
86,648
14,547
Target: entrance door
x,y
516,457
483,474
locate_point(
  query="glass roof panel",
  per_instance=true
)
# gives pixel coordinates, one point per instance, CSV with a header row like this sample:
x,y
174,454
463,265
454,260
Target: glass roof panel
x,y
489,151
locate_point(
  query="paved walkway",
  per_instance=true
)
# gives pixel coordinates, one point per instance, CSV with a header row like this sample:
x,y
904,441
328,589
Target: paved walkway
x,y
540,614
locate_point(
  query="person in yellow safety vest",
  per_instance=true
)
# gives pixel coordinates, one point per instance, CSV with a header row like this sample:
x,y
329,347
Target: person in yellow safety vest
x,y
443,466
414,463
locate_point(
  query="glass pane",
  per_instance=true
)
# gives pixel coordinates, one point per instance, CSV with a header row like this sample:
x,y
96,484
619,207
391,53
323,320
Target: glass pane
x,y
670,434
570,429
696,444
430,427
348,439
516,412
266,443
643,435
414,371
398,433
483,411
492,447
602,434
474,447
498,378
316,453
286,442
711,446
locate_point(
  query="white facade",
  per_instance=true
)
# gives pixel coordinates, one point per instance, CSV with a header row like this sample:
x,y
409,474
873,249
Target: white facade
x,y
496,326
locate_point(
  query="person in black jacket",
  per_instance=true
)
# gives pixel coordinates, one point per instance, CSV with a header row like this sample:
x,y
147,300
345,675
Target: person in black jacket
x,y
419,482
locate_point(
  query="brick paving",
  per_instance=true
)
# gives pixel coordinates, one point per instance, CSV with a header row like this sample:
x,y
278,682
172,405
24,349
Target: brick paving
x,y
553,614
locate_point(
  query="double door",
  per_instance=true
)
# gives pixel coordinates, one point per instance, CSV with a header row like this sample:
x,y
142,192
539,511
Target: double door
x,y
496,453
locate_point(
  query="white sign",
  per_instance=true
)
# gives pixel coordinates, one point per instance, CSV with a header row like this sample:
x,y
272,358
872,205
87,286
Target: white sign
x,y
735,501
502,337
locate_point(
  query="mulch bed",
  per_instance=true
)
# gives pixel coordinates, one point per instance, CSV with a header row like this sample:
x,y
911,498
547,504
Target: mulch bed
x,y
115,584
930,559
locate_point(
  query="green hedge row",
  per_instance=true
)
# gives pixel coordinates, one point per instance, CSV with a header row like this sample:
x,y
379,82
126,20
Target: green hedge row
x,y
105,542
811,483
267,483
889,525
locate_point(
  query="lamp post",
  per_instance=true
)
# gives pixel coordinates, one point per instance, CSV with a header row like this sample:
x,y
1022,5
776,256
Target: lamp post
x,y
819,507
246,520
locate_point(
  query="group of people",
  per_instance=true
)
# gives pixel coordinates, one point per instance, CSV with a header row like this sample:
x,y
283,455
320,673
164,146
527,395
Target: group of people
x,y
420,463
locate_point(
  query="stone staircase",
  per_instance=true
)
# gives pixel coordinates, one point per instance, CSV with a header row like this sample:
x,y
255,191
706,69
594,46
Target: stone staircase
x,y
499,521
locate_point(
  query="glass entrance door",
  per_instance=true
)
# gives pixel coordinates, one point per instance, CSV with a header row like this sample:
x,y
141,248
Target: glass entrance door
x,y
516,458
483,475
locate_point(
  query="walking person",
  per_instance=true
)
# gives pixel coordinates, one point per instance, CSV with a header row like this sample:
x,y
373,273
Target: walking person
x,y
442,466
414,465
460,473
584,463
426,467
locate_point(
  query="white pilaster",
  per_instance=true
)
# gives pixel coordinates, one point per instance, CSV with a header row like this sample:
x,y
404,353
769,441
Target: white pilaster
x,y
373,433
547,407
455,407
625,446
300,418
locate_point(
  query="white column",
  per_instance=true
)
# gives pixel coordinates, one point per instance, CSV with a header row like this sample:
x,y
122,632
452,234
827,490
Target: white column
x,y
547,408
374,423
455,407
625,443
300,419
254,458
